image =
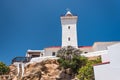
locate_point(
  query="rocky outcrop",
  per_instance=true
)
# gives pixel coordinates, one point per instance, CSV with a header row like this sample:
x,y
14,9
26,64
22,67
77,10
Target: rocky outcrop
x,y
13,72
45,70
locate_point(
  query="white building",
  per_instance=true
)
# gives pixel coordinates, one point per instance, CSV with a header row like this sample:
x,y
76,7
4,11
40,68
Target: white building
x,y
110,69
69,30
69,38
35,53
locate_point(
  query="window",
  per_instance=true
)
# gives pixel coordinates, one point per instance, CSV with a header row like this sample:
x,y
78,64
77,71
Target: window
x,y
35,56
85,52
68,27
68,38
53,53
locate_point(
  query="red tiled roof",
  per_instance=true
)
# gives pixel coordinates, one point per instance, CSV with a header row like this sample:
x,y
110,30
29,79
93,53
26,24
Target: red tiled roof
x,y
101,63
54,47
84,46
78,47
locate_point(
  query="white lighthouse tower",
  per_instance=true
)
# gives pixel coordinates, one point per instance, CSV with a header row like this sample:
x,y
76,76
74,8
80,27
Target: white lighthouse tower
x,y
69,30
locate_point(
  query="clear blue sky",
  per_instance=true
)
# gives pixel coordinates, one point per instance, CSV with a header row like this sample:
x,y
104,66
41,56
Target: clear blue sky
x,y
35,24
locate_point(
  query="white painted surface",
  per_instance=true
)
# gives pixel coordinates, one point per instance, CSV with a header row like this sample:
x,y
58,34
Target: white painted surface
x,y
17,64
49,51
106,72
67,21
98,46
22,65
39,59
18,69
105,57
114,52
96,53
29,50
34,52
109,71
68,12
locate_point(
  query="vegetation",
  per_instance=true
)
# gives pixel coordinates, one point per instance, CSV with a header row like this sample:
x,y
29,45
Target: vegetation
x,y
4,69
70,58
67,53
86,72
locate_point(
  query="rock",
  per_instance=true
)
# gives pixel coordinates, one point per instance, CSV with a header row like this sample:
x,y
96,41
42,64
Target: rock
x,y
13,71
45,70
69,71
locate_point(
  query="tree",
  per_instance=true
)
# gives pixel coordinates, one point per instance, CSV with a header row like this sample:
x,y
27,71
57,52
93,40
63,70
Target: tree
x,y
3,68
70,58
68,52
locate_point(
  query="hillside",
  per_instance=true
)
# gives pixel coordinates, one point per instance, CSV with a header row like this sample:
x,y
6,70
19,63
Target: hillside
x,y
45,70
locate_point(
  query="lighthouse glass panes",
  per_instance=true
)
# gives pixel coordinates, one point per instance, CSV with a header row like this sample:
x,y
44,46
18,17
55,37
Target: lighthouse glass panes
x,y
69,30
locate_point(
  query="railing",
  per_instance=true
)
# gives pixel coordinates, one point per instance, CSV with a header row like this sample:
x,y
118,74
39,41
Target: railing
x,y
21,59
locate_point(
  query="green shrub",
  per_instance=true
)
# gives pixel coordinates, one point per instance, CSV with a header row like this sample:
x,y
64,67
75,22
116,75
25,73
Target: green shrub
x,y
70,58
75,63
86,72
4,69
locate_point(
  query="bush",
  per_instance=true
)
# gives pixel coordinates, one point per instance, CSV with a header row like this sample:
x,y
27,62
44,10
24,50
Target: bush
x,y
70,58
86,72
75,63
4,69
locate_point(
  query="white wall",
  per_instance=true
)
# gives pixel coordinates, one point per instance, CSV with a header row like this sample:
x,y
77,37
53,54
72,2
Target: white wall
x,y
49,51
105,57
98,46
106,72
103,54
109,71
39,59
72,32
114,52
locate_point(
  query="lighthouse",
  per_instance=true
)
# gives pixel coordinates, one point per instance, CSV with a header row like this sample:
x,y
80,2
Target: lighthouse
x,y
69,30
